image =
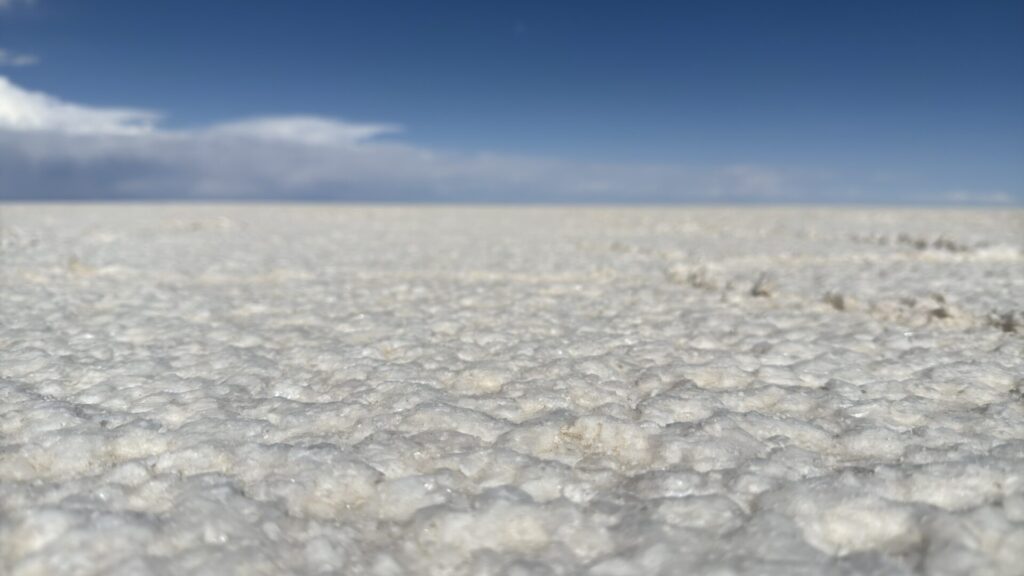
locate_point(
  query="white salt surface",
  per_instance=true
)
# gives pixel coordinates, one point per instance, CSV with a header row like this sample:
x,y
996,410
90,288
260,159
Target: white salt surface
x,y
355,390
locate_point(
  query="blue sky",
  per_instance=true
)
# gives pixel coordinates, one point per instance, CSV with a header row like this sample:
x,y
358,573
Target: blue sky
x,y
906,102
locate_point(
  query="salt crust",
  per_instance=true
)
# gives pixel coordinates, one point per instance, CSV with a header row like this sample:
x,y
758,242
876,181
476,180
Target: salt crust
x,y
390,390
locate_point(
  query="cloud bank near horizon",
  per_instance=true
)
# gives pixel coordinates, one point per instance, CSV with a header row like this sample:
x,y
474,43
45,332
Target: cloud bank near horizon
x,y
52,149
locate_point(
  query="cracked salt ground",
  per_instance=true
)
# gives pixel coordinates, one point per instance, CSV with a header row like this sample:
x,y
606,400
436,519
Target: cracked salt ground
x,y
357,390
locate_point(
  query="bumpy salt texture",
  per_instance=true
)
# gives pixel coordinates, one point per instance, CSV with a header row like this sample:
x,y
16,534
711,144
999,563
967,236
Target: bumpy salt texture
x,y
359,390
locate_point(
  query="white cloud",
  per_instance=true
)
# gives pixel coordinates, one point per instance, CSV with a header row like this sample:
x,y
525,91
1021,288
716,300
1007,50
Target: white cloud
x,y
52,148
306,130
16,60
24,110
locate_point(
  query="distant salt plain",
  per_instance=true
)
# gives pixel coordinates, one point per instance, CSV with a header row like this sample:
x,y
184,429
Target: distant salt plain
x,y
305,389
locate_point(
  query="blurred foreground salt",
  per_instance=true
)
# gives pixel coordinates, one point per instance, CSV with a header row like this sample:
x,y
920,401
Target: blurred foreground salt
x,y
357,390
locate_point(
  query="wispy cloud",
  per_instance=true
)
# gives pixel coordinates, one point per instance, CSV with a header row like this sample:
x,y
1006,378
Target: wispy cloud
x,y
4,4
14,59
994,197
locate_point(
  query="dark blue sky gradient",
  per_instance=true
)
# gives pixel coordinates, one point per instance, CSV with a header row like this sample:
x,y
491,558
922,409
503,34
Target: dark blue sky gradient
x,y
926,95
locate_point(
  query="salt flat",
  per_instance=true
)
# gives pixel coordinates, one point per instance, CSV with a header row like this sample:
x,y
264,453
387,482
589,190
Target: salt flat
x,y
305,389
